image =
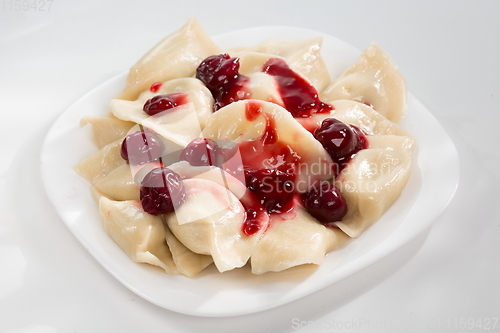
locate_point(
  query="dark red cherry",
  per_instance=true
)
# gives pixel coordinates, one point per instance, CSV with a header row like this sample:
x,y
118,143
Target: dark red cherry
x,y
336,137
141,146
220,75
325,203
162,191
218,70
274,188
160,103
200,152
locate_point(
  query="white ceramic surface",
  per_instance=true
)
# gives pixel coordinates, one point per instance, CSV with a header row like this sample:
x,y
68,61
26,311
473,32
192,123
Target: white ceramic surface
x,y
431,186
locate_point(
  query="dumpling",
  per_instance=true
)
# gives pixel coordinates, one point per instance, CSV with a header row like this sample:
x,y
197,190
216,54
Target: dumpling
x,y
307,60
232,122
263,86
376,176
296,241
391,142
140,235
375,80
107,129
118,184
251,62
370,184
303,56
260,85
365,118
187,262
96,194
180,124
210,222
196,92
101,163
178,55
233,182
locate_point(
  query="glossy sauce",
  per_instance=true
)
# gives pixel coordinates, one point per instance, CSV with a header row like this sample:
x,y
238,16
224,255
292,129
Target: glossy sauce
x,y
254,218
299,96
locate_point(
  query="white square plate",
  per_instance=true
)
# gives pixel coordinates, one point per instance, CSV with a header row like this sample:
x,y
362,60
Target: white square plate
x,y
431,186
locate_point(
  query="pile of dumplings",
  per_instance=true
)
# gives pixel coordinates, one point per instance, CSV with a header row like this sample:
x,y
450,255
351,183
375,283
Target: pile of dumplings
x,y
206,229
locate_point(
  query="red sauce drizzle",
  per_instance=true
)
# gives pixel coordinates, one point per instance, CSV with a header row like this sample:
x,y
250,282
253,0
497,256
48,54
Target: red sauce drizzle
x,y
220,73
252,110
299,96
160,103
273,163
254,217
155,87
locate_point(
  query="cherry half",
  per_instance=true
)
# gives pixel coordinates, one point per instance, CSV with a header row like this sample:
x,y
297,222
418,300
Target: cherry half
x,y
218,70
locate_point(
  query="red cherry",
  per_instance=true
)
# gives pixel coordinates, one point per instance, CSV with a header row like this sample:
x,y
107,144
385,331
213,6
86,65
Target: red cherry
x,y
337,138
220,75
162,191
160,103
141,146
325,203
200,152
218,70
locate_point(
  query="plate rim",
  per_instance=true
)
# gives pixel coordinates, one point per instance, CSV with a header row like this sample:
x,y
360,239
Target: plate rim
x,y
369,258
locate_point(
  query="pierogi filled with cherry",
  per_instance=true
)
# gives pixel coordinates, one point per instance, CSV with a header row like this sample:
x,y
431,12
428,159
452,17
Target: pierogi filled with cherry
x,y
247,156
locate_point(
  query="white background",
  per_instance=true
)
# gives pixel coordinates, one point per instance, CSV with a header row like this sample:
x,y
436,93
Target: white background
x,y
444,280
